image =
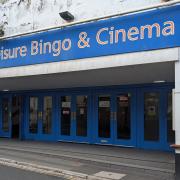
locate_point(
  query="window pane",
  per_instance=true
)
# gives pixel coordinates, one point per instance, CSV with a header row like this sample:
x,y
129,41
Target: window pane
x,y
104,116
151,116
16,116
170,132
65,115
81,115
5,114
123,117
47,115
33,115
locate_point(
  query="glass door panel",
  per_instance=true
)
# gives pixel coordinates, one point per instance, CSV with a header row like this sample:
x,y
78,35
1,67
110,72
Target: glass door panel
x,y
81,115
123,116
16,118
156,118
5,114
11,112
47,115
66,115
104,116
40,116
33,114
151,116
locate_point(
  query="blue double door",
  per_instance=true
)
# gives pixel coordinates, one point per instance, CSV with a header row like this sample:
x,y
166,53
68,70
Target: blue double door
x,y
135,117
60,117
115,118
74,117
11,115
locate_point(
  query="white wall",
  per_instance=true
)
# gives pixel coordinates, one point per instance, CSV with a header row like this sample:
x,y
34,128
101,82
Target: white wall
x,y
18,16
177,101
112,61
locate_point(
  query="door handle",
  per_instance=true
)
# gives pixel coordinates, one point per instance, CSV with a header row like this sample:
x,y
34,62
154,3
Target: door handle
x,y
40,115
73,115
10,114
112,115
115,115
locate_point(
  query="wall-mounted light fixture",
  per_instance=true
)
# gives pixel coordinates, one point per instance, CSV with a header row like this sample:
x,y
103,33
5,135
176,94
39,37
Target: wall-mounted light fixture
x,y
1,32
159,81
66,15
165,0
5,90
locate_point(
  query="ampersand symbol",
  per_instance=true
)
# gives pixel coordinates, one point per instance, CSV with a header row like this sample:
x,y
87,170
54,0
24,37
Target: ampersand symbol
x,y
83,42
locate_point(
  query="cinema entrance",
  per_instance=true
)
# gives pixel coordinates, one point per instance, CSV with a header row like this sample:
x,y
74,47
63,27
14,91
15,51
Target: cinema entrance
x,y
108,106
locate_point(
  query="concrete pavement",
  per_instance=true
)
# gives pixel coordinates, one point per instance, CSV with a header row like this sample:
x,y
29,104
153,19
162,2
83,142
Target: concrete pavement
x,y
92,159
11,173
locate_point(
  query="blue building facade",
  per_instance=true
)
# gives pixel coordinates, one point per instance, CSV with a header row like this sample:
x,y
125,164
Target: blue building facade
x,y
127,114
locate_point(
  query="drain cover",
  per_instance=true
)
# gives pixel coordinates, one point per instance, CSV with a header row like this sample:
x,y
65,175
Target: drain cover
x,y
109,175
